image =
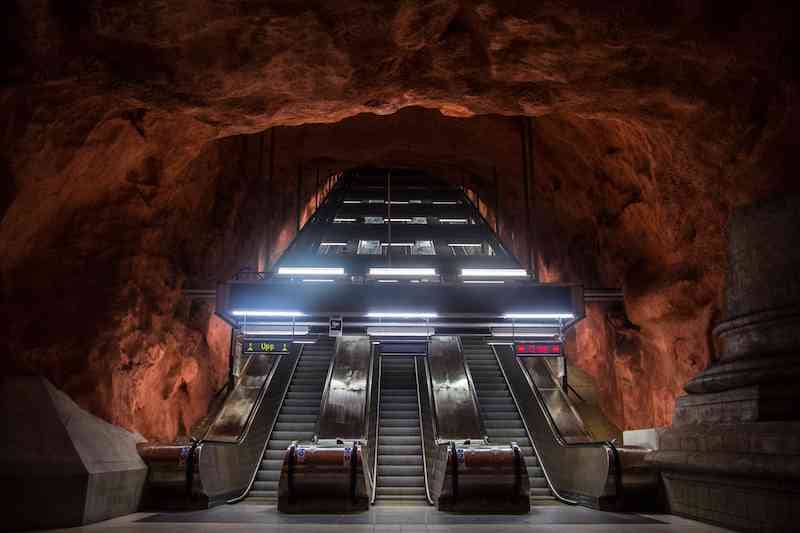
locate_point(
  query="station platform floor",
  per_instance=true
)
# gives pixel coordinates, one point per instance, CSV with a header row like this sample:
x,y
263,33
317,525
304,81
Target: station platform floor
x,y
396,518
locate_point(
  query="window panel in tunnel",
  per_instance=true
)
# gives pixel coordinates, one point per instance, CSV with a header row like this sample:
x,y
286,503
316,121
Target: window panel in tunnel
x,y
369,248
470,249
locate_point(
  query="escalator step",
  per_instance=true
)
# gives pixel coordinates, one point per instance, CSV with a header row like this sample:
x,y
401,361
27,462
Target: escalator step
x,y
499,412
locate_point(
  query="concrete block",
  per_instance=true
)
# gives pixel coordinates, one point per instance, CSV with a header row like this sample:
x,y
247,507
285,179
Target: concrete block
x,y
641,438
64,466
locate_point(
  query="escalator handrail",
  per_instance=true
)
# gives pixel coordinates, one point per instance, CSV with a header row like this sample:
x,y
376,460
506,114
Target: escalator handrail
x,y
555,433
377,381
422,428
244,493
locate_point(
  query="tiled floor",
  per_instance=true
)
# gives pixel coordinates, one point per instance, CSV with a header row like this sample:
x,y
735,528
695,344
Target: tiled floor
x,y
265,518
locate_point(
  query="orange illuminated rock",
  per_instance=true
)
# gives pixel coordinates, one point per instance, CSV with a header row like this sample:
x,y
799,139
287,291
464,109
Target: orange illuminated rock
x,y
132,166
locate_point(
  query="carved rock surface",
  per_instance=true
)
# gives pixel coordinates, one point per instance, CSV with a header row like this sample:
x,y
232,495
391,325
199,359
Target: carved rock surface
x,y
124,177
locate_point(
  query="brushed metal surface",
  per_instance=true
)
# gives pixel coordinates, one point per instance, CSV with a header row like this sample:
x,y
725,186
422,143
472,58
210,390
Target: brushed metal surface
x,y
454,403
225,470
566,419
585,473
434,455
344,404
239,408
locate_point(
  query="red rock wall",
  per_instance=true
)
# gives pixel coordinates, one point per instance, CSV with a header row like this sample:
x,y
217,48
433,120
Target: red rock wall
x,y
124,178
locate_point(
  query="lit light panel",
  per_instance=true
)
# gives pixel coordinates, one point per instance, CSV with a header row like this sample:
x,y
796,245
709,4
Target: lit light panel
x,y
258,312
401,314
389,271
311,271
541,316
494,272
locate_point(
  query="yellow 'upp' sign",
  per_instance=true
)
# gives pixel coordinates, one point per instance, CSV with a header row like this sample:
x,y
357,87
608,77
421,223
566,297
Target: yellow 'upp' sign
x,y
254,346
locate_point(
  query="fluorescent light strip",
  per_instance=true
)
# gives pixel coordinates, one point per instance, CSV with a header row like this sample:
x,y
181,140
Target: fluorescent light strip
x,y
352,201
304,342
400,314
398,244
454,220
465,245
387,281
299,330
539,315
313,280
397,220
344,220
380,271
446,203
333,244
241,312
400,332
521,334
494,272
311,271
484,281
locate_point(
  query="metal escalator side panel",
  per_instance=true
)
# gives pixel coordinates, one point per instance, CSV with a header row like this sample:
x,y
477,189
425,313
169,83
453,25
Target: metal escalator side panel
x,y
585,473
226,470
343,413
569,423
422,431
434,456
454,405
236,415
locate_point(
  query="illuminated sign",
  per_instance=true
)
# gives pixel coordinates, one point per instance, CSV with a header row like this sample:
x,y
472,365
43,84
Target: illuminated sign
x,y
256,346
527,348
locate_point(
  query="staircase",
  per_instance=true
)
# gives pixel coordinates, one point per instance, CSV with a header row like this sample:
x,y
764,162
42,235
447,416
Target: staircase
x,y
400,470
297,419
499,412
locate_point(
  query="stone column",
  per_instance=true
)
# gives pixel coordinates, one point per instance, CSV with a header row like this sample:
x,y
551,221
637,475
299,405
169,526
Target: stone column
x,y
758,341
732,455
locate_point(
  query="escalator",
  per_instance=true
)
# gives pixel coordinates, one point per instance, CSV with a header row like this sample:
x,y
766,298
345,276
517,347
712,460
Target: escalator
x,y
499,412
298,416
400,469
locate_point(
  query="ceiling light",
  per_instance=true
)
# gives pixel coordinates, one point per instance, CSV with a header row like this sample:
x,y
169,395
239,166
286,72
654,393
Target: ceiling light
x,y
333,244
445,203
389,271
400,332
494,272
465,245
246,313
520,332
317,280
276,330
484,281
400,314
344,220
454,220
311,271
387,281
398,244
539,315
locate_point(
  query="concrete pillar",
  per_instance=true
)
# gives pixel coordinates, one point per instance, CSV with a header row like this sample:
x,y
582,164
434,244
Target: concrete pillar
x,y
732,455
